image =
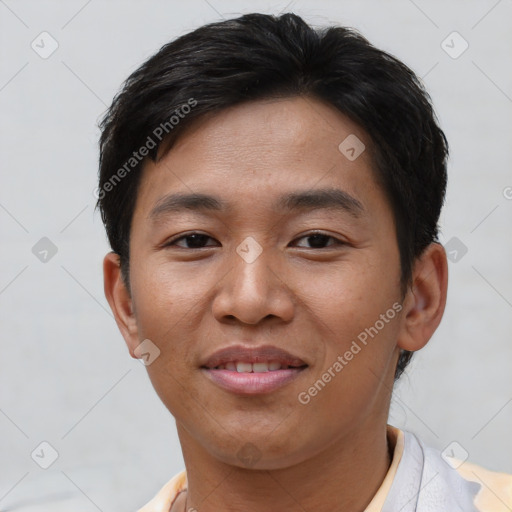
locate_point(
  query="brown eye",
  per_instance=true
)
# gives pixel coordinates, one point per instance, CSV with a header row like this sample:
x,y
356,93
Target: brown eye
x,y
319,241
192,241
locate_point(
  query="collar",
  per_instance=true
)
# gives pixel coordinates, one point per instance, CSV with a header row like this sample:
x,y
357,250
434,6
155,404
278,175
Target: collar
x,y
418,480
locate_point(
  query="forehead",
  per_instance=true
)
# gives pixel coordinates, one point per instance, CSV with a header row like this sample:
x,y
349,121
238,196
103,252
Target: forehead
x,y
289,127
252,152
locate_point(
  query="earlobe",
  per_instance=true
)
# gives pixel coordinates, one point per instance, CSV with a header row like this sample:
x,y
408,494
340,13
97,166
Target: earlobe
x,y
120,300
426,298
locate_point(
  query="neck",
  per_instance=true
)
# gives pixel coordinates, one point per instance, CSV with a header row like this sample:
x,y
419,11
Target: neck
x,y
344,476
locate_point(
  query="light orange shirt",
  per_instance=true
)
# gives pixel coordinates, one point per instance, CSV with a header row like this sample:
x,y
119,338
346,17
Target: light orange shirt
x,y
420,479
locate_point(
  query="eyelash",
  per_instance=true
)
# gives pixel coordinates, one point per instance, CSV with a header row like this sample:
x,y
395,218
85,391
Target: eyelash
x,y
172,242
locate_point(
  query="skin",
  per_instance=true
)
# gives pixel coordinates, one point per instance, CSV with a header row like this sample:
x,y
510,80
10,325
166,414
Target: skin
x,y
332,453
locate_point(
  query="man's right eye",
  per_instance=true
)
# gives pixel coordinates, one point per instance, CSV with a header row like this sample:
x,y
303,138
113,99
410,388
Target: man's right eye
x,y
192,241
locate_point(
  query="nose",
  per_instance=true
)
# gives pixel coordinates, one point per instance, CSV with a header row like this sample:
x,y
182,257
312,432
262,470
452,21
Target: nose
x,y
253,290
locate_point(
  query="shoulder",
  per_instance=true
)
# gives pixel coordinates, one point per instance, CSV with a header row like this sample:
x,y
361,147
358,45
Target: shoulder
x,y
165,497
438,481
495,494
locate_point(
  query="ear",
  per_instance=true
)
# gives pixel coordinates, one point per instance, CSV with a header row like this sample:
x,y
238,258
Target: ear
x,y
425,300
118,296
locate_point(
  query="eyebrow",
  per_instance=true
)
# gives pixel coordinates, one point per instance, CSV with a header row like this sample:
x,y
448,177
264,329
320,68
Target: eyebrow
x,y
328,198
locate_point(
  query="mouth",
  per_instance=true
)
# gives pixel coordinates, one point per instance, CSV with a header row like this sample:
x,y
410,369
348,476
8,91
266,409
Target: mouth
x,y
248,367
252,370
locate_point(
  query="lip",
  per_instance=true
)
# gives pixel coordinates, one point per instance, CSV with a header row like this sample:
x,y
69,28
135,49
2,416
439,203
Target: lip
x,y
252,383
251,354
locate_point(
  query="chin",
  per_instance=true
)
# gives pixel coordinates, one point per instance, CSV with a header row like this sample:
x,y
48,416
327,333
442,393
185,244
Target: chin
x,y
259,452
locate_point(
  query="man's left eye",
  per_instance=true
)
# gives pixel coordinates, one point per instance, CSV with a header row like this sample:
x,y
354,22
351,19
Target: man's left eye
x,y
318,240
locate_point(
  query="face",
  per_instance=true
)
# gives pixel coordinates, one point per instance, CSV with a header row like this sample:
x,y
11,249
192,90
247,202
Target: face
x,y
296,250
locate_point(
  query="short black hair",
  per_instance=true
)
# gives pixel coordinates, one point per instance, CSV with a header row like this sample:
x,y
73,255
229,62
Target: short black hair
x,y
259,56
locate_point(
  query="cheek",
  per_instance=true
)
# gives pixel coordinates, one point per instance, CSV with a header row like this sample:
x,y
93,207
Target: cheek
x,y
163,305
355,312
348,296
164,296
173,309
350,383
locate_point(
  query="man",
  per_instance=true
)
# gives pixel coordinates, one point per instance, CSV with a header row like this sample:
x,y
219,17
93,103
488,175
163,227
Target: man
x,y
271,194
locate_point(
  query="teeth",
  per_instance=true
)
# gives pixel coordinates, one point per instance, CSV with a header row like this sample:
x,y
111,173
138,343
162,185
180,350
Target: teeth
x,y
243,367
260,367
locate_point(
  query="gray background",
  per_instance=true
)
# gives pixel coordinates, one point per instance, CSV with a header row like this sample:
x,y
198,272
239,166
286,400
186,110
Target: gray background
x,y
65,374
